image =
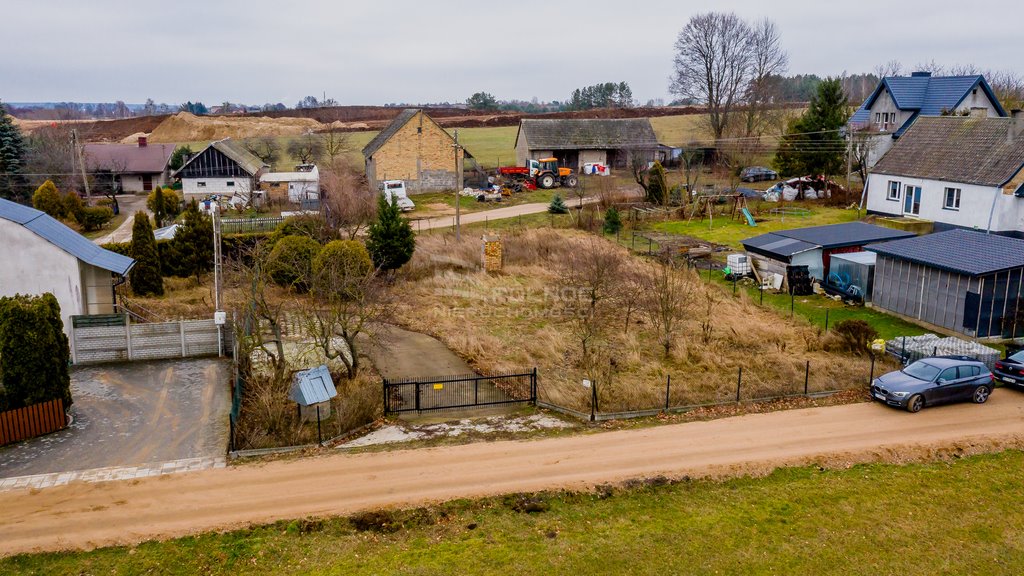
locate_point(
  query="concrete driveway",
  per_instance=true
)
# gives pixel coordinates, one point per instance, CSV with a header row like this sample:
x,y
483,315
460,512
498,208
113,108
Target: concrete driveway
x,y
133,414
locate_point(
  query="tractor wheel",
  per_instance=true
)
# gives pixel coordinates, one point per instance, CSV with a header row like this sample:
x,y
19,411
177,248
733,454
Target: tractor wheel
x,y
546,181
570,181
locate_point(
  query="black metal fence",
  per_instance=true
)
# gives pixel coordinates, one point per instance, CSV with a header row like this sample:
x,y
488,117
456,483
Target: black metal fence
x,y
447,392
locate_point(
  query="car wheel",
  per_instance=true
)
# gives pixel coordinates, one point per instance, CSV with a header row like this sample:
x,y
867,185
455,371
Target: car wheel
x,y
915,403
981,394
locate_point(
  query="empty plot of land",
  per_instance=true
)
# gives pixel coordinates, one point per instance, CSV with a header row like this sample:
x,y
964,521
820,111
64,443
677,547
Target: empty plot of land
x,y
90,515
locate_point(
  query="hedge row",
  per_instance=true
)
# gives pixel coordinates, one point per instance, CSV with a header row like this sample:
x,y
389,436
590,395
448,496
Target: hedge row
x,y
232,246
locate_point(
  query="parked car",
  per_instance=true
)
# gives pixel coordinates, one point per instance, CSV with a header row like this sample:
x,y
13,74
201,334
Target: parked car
x,y
932,381
1011,369
758,173
394,191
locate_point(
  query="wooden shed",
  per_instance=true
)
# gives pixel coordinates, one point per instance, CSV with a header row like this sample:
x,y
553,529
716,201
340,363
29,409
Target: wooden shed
x,y
416,149
576,142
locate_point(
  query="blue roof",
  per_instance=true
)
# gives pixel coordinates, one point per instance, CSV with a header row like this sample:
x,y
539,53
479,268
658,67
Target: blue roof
x,y
65,238
962,251
786,243
313,386
926,95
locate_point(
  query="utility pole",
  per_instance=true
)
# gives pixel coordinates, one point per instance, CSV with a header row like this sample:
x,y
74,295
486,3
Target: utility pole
x,y
849,157
76,151
219,316
458,187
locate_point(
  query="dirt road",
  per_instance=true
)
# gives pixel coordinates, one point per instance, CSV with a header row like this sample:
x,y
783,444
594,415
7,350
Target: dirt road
x,y
89,515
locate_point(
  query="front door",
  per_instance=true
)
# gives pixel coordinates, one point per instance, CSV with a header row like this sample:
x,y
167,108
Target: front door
x,y
147,182
912,200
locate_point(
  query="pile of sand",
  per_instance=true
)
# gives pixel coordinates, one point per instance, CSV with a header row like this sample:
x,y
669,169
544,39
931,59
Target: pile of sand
x,y
185,127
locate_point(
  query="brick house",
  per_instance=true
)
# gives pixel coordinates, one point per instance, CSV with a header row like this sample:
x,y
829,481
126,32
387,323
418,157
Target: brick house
x,y
414,148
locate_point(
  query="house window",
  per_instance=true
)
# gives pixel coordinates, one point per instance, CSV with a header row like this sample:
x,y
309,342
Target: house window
x,y
230,183
952,201
894,191
200,184
878,118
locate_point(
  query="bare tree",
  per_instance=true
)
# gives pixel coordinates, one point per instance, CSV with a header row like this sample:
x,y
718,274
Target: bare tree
x,y
861,147
890,68
668,296
691,162
346,200
712,64
266,148
306,149
768,62
592,276
335,143
263,316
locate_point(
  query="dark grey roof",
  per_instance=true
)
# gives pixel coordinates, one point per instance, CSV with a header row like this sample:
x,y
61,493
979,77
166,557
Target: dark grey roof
x,y
237,152
775,246
956,149
389,131
962,251
575,134
64,238
313,386
785,243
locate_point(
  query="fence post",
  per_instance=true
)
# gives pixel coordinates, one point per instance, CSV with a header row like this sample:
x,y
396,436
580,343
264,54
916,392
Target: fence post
x,y
476,391
181,329
826,319
417,396
668,389
871,378
533,386
792,301
386,397
128,335
319,435
649,244
739,382
593,401
762,295
632,245
807,375
903,355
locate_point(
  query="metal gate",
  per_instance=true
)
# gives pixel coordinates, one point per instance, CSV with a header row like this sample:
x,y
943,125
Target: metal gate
x,y
446,392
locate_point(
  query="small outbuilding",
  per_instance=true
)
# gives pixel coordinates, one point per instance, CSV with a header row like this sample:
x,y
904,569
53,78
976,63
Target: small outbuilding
x,y
575,142
959,281
416,149
813,247
299,187
313,390
224,167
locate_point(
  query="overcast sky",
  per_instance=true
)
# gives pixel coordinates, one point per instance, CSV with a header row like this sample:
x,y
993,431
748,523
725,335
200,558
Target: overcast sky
x,y
380,51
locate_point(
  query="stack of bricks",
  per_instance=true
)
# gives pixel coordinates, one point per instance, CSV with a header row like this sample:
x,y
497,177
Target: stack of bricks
x,y
492,252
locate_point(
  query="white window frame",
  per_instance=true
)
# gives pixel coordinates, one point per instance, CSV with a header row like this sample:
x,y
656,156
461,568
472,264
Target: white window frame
x,y
200,184
878,118
897,188
955,205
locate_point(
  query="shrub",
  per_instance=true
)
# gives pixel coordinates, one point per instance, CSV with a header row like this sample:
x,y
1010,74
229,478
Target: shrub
x,y
164,204
343,258
558,206
94,217
391,240
309,225
612,221
853,336
74,207
145,275
657,189
290,263
47,199
34,351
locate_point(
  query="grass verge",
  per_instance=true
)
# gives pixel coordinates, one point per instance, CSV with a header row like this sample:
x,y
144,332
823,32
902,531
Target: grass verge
x,y
957,516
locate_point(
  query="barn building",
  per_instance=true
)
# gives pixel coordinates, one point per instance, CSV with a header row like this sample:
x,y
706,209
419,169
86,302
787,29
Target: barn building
x,y
224,167
960,281
577,142
43,255
416,149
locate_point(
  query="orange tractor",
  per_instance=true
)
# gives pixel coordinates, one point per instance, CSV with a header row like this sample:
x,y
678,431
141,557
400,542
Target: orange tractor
x,y
543,173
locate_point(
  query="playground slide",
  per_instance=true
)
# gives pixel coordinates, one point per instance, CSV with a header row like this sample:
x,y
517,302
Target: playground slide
x,y
750,219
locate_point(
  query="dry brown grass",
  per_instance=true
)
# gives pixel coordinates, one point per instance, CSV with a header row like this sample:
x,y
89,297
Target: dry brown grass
x,y
514,319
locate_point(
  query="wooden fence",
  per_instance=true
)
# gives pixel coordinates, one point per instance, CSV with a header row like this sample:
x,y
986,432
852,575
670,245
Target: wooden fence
x,y
32,421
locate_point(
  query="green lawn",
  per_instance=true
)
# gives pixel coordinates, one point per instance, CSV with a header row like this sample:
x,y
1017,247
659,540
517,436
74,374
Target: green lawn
x,y
725,230
957,517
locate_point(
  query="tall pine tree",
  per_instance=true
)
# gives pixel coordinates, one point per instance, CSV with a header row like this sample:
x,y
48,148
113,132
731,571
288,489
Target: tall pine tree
x,y
391,240
145,275
12,157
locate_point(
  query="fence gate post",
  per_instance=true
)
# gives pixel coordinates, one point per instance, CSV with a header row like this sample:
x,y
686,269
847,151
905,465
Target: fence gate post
x,y
181,329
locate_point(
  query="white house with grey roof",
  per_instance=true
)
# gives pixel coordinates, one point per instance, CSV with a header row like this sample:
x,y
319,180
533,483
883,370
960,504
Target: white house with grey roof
x,y
42,255
956,171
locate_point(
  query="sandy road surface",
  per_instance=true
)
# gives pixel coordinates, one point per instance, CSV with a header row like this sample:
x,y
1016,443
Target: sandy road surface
x,y
486,215
89,515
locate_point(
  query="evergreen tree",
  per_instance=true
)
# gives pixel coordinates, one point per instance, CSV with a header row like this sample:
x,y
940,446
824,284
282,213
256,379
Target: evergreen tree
x,y
145,275
12,158
558,206
179,157
155,203
47,198
192,244
657,189
391,240
34,351
612,221
812,144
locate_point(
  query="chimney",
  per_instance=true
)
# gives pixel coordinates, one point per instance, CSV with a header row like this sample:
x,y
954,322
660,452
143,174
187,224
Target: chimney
x,y
1016,125
979,112
920,74
142,142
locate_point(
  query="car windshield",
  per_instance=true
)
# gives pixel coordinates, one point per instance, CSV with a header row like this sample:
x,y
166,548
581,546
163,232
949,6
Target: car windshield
x,y
921,371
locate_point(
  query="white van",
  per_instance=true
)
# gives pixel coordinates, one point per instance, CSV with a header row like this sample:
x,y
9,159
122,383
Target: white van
x,y
394,191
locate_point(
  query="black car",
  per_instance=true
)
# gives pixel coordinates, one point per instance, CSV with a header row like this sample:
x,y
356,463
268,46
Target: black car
x,y
932,381
1011,369
758,173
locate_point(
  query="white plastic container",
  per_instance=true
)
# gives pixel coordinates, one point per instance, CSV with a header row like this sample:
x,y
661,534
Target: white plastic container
x,y
738,263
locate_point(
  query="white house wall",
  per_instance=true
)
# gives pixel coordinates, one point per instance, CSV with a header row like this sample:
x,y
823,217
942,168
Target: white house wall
x,y
975,203
32,265
192,187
